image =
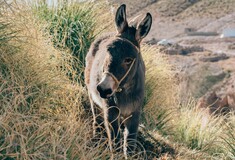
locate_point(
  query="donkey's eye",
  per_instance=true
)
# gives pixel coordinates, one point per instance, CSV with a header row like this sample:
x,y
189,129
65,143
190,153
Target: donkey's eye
x,y
128,60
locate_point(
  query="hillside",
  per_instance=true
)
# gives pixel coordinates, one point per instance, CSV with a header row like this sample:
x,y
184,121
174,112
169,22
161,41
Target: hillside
x,y
44,107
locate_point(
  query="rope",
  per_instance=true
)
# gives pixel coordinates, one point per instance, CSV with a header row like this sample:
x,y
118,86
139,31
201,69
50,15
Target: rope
x,y
120,81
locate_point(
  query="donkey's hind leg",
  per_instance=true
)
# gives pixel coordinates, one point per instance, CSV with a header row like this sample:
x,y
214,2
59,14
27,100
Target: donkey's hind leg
x,y
94,116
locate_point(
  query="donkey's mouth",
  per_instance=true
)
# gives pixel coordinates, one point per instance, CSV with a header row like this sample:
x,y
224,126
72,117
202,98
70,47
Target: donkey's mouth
x,y
105,96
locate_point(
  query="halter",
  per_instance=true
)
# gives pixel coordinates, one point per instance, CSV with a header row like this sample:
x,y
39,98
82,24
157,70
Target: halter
x,y
120,81
119,89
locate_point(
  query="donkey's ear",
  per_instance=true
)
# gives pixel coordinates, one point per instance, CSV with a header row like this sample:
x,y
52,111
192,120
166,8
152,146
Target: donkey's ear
x,y
120,19
143,28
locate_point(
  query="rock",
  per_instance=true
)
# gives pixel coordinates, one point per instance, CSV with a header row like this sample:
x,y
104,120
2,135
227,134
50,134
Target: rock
x,y
193,32
165,42
229,32
191,49
231,46
216,104
231,100
214,58
231,97
189,30
175,49
151,41
221,99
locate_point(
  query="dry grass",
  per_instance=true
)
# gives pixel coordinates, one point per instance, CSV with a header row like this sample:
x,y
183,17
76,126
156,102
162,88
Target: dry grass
x,y
40,107
197,129
73,26
42,113
161,89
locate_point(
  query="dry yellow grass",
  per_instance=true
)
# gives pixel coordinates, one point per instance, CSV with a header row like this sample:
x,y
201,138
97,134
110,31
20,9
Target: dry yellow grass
x,y
161,95
42,113
40,107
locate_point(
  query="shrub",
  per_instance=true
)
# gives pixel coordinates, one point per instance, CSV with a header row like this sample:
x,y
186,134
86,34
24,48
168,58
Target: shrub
x,y
161,89
40,107
228,138
72,26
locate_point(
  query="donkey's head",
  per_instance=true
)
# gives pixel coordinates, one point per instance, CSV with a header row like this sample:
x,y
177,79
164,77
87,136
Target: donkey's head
x,y
122,54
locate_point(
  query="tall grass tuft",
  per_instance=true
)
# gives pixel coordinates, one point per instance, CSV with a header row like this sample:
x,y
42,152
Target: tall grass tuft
x,y
72,26
40,113
228,139
161,89
196,128
207,134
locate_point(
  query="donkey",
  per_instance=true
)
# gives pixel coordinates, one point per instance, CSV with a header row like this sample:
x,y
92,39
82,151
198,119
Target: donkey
x,y
115,78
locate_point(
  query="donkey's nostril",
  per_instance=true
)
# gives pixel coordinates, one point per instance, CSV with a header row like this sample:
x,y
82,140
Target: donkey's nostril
x,y
108,91
99,89
104,93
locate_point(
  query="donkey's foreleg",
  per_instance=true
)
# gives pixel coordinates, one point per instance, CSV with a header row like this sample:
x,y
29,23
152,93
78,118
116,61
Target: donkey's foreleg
x,y
93,114
107,128
114,120
130,132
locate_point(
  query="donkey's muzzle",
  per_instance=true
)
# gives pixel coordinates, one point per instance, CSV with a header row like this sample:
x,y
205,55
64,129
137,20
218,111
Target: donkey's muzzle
x,y
104,92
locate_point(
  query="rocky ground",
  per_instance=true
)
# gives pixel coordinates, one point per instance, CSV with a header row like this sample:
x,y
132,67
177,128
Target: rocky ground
x,y
191,32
